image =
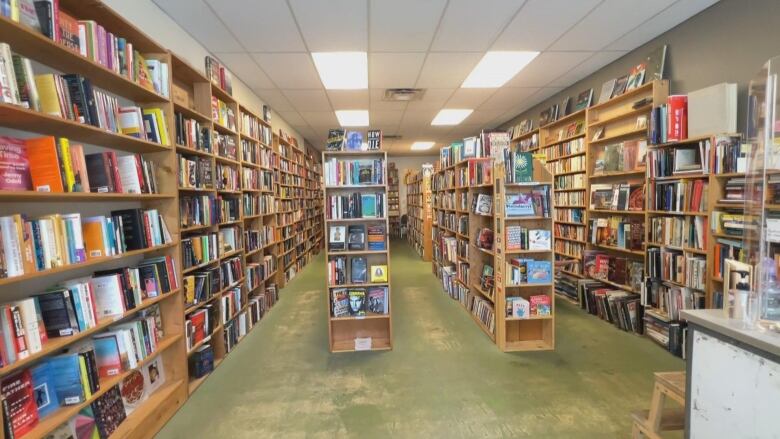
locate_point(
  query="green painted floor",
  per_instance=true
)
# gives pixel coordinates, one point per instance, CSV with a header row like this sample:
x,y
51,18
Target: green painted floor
x,y
444,377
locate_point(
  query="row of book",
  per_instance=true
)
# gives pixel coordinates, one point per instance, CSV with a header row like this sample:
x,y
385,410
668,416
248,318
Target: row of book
x,y
680,160
570,182
355,205
355,270
679,232
523,238
225,145
258,237
673,265
668,300
195,172
227,178
565,149
359,301
518,307
258,272
258,204
207,210
621,308
219,75
199,325
256,180
570,164
78,305
253,127
199,250
49,164
620,270
622,196
231,303
617,231
627,156
223,114
521,271
353,172
357,237
192,133
57,240
74,377
534,202
679,196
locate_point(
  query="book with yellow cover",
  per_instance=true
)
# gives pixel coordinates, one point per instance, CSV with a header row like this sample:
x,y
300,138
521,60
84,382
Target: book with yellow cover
x,y
378,273
47,93
159,117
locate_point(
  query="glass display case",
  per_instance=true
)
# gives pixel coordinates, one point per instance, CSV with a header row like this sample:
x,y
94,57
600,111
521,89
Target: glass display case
x,y
752,290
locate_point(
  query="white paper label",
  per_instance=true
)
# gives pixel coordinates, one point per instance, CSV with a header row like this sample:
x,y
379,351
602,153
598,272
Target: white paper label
x,y
773,229
363,344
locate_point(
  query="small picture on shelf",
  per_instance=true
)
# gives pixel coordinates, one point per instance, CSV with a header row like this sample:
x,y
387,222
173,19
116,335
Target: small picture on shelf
x,y
354,141
598,133
606,90
584,100
483,204
374,140
601,196
688,160
641,122
637,77
620,86
335,140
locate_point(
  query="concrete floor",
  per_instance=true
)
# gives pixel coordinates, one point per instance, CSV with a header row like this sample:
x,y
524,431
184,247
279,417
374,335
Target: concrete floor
x,y
444,377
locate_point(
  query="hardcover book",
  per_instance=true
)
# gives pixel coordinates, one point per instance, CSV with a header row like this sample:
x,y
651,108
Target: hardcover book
x,y
620,86
354,141
539,272
109,411
521,204
378,273
357,301
606,90
358,270
340,302
483,204
524,167
539,239
14,166
374,140
584,100
19,402
357,237
133,390
154,374
377,300
335,140
337,238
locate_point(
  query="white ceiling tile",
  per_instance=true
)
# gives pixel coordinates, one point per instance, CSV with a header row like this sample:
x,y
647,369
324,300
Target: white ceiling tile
x,y
386,117
667,19
244,67
394,70
377,103
334,25
289,70
308,100
470,25
275,99
507,97
265,26
546,67
294,119
540,22
403,25
200,22
433,99
485,117
320,119
469,97
418,118
446,70
609,21
590,65
349,99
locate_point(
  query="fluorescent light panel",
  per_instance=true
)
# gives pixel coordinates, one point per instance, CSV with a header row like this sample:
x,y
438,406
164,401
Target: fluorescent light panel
x,y
422,146
496,68
451,116
342,70
352,118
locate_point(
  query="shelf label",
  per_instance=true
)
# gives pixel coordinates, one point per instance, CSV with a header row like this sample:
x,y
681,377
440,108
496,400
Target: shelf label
x,y
363,344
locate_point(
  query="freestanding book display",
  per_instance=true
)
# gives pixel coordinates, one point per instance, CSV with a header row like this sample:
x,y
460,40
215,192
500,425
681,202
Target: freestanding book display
x,y
357,250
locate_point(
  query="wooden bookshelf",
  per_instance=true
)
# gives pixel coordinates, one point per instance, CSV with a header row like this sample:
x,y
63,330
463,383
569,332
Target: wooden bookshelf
x,y
372,331
536,332
481,302
418,210
393,200
162,404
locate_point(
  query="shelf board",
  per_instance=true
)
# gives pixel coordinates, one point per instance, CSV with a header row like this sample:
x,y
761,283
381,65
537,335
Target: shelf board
x,y
377,344
199,266
627,115
20,118
625,96
357,252
619,249
525,218
88,263
525,252
617,212
521,319
353,220
663,212
35,45
365,317
628,133
150,406
528,345
191,112
19,196
566,156
617,174
356,186
187,150
528,285
365,284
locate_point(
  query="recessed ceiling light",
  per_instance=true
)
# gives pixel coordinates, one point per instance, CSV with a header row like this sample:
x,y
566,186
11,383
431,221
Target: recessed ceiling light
x,y
451,116
496,68
422,146
352,118
342,70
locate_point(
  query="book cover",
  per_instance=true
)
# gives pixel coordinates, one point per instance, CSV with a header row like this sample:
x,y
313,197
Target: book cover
x,y
43,390
358,270
378,273
539,239
374,140
620,86
107,355
357,237
84,424
14,166
58,314
584,100
66,371
133,390
524,167
514,238
483,204
354,140
80,176
44,164
154,374
357,301
336,140
539,272
377,300
109,411
18,395
540,305
340,302
521,204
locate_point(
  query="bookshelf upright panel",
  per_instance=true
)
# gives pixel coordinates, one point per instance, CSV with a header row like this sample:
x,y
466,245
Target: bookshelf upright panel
x,y
357,251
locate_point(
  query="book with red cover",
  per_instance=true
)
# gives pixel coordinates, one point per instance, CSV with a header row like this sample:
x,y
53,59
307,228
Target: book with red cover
x,y
44,164
19,402
14,166
677,117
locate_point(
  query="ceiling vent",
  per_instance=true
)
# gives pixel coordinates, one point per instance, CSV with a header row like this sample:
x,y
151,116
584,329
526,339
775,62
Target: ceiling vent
x,y
391,136
404,94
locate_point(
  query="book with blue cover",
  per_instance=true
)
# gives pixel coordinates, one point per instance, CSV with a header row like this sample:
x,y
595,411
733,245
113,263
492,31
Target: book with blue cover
x,y
354,141
66,371
539,272
368,205
43,390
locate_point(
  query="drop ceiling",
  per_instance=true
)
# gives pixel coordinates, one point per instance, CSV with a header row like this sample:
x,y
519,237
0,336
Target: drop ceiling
x,y
432,44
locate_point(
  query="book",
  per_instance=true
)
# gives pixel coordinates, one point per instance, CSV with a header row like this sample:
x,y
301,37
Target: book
x,y
356,237
483,204
335,140
354,141
44,164
374,140
520,204
154,374
540,305
606,90
43,390
358,270
539,239
357,301
107,355
524,167
340,302
620,86
378,273
539,272
14,165
68,385
19,402
109,411
133,389
377,300
637,77
584,100
9,90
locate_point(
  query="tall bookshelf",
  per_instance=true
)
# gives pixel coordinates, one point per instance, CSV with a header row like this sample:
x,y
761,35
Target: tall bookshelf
x,y
164,402
393,200
368,330
564,146
290,195
533,332
618,120
418,210
313,205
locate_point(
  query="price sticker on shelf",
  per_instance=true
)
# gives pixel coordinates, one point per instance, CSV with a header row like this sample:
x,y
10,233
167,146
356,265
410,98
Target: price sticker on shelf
x,y
363,344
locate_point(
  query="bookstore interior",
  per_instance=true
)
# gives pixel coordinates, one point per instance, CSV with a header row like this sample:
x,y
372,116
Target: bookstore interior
x,y
436,233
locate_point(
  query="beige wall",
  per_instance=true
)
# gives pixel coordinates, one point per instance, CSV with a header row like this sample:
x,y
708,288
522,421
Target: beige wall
x,y
728,42
405,164
148,17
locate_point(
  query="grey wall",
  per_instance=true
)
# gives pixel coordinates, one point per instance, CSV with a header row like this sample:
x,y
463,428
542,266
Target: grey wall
x,y
728,42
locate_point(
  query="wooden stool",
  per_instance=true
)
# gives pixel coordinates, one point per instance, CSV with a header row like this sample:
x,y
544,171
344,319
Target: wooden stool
x,y
650,423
